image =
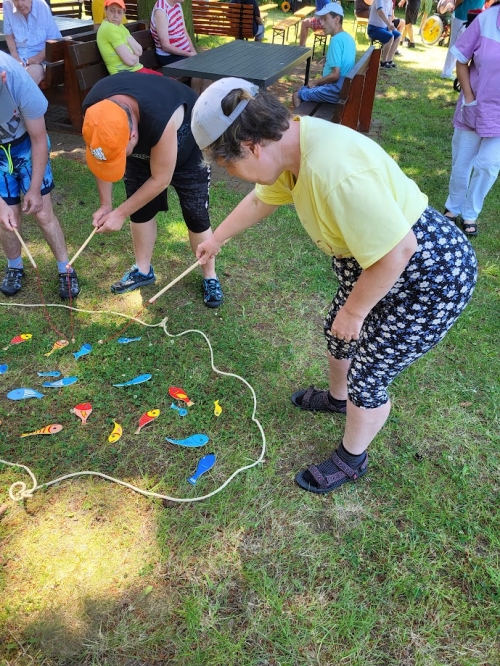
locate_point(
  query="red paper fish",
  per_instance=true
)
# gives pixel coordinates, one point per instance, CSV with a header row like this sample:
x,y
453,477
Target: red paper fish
x,y
19,338
57,345
47,430
147,418
83,411
180,394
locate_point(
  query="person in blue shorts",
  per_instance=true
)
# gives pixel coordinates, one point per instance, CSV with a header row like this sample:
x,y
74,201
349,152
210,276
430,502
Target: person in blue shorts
x,y
340,58
25,169
382,28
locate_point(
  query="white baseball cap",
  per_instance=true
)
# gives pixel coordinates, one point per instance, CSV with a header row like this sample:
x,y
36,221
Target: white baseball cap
x,y
208,121
330,8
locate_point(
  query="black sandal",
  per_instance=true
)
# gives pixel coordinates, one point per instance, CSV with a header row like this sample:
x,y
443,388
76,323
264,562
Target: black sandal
x,y
314,481
469,225
315,400
452,218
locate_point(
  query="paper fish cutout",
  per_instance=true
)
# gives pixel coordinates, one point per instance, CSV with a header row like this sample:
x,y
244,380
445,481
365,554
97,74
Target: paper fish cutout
x,y
83,351
24,394
51,373
217,408
116,433
18,339
48,430
125,341
192,442
205,463
180,394
147,418
65,381
3,369
83,411
57,345
137,380
181,411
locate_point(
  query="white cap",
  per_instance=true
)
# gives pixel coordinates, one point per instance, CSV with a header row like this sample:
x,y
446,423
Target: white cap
x,y
330,8
208,122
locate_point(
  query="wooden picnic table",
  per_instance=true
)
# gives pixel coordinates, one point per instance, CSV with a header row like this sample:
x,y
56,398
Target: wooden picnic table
x,y
257,62
268,7
304,12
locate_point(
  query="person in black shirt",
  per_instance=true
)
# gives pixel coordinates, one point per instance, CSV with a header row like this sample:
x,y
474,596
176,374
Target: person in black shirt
x,y
138,128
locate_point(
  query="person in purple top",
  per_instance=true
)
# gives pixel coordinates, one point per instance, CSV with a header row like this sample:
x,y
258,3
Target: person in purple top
x,y
311,23
476,139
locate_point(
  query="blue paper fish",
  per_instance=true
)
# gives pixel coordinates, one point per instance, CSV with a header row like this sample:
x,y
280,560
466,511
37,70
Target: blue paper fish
x,y
205,463
52,373
23,394
3,369
180,410
65,381
137,380
84,349
192,442
125,341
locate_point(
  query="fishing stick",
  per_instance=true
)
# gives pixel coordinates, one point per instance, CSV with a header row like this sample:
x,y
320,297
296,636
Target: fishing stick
x,y
25,247
171,284
83,247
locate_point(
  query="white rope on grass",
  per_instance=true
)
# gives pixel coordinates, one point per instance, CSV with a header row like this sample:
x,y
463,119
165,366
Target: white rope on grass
x,y
18,491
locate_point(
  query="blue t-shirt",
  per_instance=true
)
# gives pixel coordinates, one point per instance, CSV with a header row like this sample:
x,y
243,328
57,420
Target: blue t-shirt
x,y
26,95
466,6
341,53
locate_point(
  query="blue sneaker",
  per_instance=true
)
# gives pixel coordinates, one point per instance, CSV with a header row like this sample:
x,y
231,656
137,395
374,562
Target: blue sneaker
x,y
133,279
212,293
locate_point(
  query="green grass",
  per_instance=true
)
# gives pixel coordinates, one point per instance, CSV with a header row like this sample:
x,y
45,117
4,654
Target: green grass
x,y
400,569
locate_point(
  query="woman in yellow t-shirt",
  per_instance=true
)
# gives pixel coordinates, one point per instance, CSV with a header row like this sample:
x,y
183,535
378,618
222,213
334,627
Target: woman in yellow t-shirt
x,y
405,271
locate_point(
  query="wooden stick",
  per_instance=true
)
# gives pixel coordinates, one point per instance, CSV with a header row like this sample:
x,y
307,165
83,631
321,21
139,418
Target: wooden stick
x,y
171,284
83,247
24,246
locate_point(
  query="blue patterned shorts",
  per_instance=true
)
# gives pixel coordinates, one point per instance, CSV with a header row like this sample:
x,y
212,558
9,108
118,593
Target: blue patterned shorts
x,y
16,176
413,317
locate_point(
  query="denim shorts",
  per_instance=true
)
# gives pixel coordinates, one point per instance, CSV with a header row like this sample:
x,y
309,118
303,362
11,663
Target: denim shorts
x,y
330,92
383,35
16,172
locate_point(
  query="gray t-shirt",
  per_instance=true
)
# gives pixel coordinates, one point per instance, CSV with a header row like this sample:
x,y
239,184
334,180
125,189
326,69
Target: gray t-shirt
x,y
26,95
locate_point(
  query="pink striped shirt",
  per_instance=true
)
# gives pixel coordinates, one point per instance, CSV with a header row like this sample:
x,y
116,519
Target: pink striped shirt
x,y
177,35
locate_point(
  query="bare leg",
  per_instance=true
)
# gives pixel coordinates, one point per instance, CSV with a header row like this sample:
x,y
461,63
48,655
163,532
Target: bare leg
x,y
207,269
304,31
51,229
362,425
36,72
385,50
199,85
393,48
143,239
338,377
8,239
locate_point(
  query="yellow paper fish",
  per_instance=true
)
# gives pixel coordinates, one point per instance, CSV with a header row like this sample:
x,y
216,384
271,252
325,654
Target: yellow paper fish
x,y
57,345
116,433
217,408
47,430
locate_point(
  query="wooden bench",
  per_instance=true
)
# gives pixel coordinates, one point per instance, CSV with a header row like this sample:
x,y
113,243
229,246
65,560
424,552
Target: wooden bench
x,y
70,9
282,27
74,66
355,106
222,18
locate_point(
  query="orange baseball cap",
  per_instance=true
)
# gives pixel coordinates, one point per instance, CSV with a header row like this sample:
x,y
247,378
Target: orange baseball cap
x,y
120,3
106,133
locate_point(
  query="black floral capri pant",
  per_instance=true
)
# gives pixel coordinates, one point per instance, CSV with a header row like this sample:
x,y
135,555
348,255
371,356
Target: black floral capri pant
x,y
413,317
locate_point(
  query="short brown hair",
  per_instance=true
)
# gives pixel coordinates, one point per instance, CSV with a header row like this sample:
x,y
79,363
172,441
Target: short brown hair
x,y
264,119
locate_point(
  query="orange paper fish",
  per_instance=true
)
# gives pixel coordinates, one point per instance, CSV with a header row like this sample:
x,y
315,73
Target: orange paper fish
x,y
57,345
116,433
48,430
18,339
147,418
180,394
83,411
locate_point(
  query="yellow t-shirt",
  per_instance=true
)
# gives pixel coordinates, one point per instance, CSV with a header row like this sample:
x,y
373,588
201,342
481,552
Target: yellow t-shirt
x,y
98,14
351,197
109,36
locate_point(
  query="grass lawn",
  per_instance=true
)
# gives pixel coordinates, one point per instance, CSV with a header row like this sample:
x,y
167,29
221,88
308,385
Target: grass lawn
x,y
401,569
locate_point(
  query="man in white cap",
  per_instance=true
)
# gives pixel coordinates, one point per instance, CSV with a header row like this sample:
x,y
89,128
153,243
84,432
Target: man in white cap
x,y
340,58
